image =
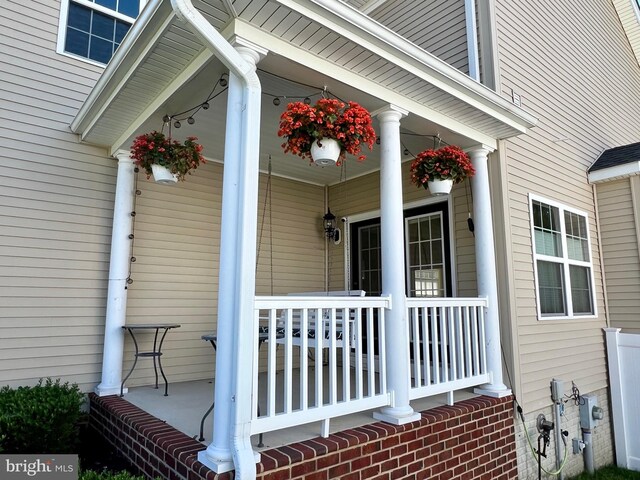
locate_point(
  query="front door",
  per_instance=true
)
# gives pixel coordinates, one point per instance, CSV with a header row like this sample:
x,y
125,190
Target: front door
x,y
427,250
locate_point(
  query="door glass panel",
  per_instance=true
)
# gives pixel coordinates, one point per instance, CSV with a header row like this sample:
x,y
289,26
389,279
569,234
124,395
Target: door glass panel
x,y
369,266
426,272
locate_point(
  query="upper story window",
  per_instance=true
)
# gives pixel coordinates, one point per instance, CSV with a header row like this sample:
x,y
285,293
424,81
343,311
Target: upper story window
x,y
93,29
562,261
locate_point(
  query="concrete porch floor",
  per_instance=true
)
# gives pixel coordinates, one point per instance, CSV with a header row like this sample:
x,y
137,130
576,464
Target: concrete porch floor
x,y
188,401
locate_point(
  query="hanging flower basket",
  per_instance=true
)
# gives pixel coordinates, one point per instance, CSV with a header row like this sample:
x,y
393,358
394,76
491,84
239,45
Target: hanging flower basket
x,y
310,126
449,164
153,150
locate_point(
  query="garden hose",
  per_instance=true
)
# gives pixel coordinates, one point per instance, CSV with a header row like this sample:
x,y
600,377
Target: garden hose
x,y
533,450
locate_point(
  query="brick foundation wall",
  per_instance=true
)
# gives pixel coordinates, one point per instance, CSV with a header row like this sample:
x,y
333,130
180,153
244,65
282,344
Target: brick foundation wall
x,y
474,439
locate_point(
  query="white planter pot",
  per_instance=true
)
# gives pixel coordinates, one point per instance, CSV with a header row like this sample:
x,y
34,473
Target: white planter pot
x,y
325,152
163,175
440,187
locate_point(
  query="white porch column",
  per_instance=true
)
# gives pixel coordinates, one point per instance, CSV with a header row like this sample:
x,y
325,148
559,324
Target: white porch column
x,y
486,268
118,272
393,260
236,292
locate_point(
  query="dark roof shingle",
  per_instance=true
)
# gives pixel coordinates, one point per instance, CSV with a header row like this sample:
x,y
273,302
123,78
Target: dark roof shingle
x,y
617,156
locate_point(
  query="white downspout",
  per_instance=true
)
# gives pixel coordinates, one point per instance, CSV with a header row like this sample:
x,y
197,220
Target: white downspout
x,y
233,395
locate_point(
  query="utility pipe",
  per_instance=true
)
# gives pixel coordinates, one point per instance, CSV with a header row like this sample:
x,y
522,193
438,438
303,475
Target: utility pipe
x,y
233,392
558,433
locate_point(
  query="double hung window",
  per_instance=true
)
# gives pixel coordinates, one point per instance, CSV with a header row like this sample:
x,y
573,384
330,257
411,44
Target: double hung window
x,y
93,29
562,260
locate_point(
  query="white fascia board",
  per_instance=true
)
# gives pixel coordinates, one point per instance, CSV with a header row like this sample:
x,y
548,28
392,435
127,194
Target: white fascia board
x,y
352,24
194,67
308,59
112,78
615,173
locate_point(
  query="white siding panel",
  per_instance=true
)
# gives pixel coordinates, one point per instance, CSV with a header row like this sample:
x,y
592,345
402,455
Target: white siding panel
x,y
581,112
620,251
55,208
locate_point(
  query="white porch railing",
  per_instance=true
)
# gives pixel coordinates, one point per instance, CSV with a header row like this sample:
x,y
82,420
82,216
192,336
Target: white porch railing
x,y
447,344
339,367
295,380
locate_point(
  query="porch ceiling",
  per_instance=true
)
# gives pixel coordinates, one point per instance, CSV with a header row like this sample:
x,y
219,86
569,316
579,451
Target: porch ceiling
x,y
162,68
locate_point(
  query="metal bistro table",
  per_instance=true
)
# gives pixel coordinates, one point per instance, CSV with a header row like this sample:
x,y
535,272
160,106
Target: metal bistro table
x,y
156,353
263,336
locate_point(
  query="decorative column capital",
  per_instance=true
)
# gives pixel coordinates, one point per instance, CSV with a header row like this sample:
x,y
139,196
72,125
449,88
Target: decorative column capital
x,y
250,51
479,151
390,113
123,156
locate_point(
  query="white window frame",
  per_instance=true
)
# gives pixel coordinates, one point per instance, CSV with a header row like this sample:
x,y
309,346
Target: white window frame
x,y
62,25
564,260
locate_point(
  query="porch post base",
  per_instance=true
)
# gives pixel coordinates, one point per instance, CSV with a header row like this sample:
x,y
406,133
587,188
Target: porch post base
x,y
493,391
105,390
389,417
220,465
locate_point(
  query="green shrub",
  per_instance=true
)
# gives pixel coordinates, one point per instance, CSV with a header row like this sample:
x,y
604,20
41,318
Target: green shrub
x,y
40,419
92,475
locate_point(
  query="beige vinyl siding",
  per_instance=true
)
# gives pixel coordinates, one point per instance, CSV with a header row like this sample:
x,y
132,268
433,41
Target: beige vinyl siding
x,y
437,26
177,247
56,207
580,79
362,196
620,250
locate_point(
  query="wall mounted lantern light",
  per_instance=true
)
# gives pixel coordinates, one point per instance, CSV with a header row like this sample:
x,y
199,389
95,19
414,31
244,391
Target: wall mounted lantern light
x,y
329,226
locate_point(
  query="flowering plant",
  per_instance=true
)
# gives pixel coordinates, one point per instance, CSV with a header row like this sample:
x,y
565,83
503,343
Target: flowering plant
x,y
304,124
446,163
155,148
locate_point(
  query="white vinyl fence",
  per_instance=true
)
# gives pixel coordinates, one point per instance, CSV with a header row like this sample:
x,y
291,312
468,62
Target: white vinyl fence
x,y
623,352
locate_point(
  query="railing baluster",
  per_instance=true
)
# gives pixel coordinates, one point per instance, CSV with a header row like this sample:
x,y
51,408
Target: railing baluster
x,y
483,352
476,340
467,339
357,334
272,364
304,360
382,351
333,364
416,340
346,353
288,361
318,363
425,344
371,366
435,341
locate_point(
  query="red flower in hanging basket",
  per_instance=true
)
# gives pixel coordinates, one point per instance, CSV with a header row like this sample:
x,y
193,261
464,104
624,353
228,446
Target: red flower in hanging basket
x,y
446,163
349,125
154,148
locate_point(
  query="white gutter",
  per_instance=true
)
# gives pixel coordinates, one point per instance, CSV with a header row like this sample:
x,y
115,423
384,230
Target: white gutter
x,y
237,249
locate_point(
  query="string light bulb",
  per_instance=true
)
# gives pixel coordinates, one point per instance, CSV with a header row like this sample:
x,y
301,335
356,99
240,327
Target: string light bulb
x,y
205,106
223,82
166,119
276,101
191,120
177,124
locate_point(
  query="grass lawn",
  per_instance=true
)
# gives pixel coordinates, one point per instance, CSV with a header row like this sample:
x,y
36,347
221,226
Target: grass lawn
x,y
610,473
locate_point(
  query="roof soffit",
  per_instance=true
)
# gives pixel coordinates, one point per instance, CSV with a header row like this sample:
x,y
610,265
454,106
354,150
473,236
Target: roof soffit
x,y
164,54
